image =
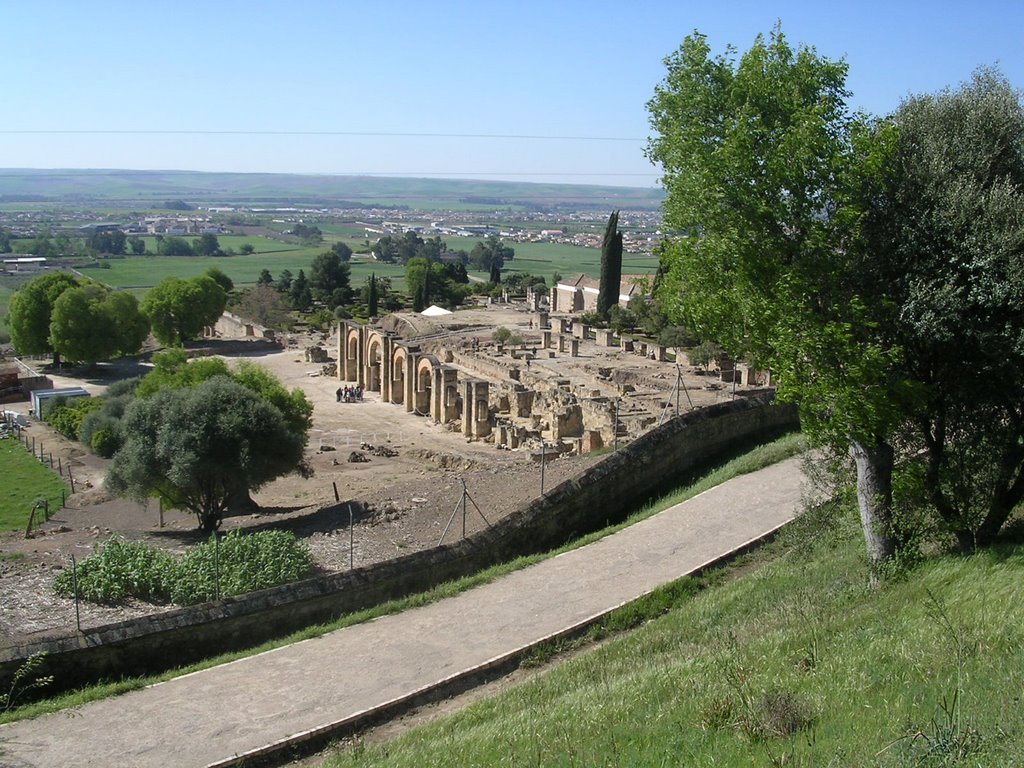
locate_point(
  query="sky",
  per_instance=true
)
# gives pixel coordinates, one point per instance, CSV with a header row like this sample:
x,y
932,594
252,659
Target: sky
x,y
550,91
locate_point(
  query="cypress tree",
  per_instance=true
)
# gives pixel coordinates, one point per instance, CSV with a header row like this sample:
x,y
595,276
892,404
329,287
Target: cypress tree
x,y
371,299
495,272
611,267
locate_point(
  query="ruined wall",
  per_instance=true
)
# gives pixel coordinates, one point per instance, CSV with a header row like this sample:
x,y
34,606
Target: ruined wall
x,y
602,494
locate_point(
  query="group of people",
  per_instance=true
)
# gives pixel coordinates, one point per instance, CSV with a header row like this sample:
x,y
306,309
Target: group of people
x,y
349,394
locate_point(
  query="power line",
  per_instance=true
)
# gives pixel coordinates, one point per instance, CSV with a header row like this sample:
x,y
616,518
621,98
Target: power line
x,y
389,134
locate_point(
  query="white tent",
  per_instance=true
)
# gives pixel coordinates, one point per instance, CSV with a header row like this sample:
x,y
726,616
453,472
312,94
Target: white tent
x,y
434,311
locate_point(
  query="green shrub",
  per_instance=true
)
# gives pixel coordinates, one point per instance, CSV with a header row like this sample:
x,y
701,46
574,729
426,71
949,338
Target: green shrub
x,y
104,443
246,563
120,569
66,416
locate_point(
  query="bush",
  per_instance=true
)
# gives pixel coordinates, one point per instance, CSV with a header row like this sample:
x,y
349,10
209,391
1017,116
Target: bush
x,y
104,443
67,416
246,563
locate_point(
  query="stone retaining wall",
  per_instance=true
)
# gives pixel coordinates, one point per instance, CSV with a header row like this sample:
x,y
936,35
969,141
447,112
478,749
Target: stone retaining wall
x,y
605,493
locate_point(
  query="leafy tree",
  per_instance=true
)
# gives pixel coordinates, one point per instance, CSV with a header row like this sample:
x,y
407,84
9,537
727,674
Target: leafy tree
x,y
5,241
178,309
246,249
225,282
177,205
310,234
91,323
488,252
264,305
944,244
137,245
300,294
417,283
495,276
31,310
194,448
759,157
265,278
107,241
284,282
329,279
611,267
174,246
206,245
342,251
372,295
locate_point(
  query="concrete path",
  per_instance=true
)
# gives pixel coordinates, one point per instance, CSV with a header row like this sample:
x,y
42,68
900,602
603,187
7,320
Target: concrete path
x,y
210,717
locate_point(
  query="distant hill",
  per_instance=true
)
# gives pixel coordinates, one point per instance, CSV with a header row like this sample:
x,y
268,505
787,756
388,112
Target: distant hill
x,y
149,188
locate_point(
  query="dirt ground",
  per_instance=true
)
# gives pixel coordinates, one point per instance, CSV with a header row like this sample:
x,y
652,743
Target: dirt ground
x,y
399,503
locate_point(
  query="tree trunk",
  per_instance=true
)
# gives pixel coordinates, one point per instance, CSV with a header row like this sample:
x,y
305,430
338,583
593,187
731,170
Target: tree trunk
x,y
874,499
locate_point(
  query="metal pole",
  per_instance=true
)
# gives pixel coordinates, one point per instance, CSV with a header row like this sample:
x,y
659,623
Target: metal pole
x,y
74,585
216,566
465,493
543,461
337,498
615,436
351,537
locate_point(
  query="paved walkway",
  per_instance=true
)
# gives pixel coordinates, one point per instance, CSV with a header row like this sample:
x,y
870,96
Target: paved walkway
x,y
208,717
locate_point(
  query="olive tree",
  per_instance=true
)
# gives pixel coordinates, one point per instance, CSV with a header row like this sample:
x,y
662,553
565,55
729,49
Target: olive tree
x,y
195,447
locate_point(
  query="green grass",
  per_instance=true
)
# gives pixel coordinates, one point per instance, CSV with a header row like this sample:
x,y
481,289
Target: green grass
x,y
25,480
795,663
759,457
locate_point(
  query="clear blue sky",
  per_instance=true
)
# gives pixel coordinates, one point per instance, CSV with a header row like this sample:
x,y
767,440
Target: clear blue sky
x,y
491,72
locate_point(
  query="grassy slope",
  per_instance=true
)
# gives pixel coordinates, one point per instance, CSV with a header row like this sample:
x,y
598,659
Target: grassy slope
x,y
801,637
24,480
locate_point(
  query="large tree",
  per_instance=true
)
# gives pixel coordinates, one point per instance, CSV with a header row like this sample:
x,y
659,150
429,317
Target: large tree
x,y
31,310
611,267
178,309
329,277
945,233
194,448
759,158
91,323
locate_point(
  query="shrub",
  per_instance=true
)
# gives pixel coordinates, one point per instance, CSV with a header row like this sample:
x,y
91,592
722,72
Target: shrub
x,y
67,416
241,563
104,443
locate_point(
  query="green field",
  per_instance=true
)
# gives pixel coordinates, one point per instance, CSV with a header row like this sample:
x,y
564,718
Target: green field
x,y
792,662
138,273
25,479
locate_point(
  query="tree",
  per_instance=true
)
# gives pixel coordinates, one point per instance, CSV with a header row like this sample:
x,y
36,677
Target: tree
x,y
329,279
371,296
137,245
31,310
107,241
342,251
264,305
495,276
174,246
417,283
5,241
246,249
284,282
195,447
300,294
265,278
206,245
225,282
945,231
611,267
91,323
759,157
178,309
489,251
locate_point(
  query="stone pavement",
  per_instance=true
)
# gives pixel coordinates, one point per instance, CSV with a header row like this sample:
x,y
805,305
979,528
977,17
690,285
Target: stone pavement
x,y
210,717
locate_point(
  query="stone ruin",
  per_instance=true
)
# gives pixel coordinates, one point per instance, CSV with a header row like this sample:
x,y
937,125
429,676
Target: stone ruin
x,y
490,393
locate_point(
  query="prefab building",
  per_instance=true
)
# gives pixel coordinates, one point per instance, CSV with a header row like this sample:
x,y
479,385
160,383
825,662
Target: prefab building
x,y
42,398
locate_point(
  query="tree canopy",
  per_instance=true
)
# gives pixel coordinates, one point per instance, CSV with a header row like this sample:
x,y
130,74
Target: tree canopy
x,y
329,277
91,323
611,267
196,447
866,262
31,310
759,157
178,309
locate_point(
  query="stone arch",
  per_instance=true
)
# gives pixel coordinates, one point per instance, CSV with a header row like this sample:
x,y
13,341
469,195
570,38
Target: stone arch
x,y
423,384
374,359
400,361
351,356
